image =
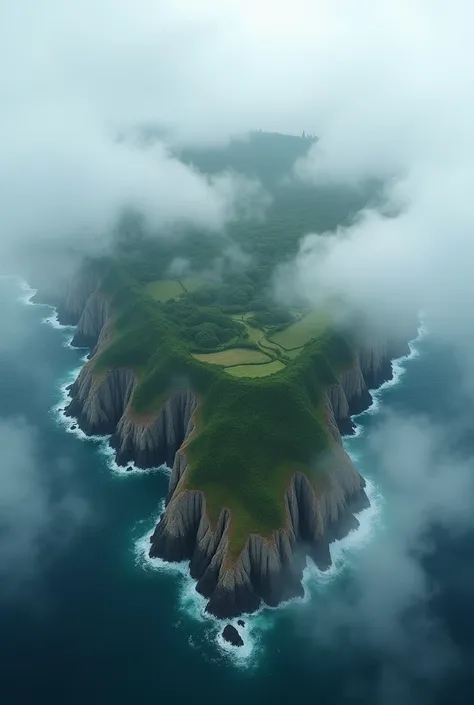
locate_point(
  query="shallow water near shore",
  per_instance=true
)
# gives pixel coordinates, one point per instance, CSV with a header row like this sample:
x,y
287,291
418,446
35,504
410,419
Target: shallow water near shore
x,y
85,615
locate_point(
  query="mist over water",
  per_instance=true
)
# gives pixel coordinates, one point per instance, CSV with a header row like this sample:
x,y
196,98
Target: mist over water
x,y
87,616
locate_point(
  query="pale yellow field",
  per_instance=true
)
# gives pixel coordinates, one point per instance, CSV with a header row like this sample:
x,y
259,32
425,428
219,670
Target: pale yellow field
x,y
234,356
255,370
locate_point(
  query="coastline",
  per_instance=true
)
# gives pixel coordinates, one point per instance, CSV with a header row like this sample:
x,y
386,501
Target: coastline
x,y
354,539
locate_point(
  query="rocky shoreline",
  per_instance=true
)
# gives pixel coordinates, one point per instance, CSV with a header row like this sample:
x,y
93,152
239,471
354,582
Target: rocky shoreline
x,y
269,569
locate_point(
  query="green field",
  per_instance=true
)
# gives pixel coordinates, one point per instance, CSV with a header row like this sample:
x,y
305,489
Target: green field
x,y
311,326
233,356
256,370
294,352
164,289
190,284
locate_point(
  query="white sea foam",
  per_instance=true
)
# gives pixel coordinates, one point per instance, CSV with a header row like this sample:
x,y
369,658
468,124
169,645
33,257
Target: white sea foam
x,y
130,470
193,605
27,292
52,320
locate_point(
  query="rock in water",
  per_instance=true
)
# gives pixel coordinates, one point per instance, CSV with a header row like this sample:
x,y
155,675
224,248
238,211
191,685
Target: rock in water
x,y
231,635
73,427
241,623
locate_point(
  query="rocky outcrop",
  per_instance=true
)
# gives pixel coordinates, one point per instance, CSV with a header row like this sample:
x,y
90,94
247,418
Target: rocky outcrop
x,y
269,568
99,401
232,636
155,441
101,405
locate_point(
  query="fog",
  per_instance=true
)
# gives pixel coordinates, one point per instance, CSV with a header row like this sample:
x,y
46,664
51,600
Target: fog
x,y
389,90
36,523
425,482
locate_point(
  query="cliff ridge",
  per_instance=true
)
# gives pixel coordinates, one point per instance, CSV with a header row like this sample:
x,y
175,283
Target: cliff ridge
x,y
269,568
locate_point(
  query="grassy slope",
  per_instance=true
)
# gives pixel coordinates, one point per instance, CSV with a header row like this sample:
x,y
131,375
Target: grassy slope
x,y
277,420
164,289
296,335
233,356
255,370
252,433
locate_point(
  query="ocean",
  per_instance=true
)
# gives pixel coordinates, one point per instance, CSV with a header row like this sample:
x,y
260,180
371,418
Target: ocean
x,y
85,617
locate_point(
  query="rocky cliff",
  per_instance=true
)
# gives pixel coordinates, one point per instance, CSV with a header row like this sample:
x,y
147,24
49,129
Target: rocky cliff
x,y
372,367
72,304
269,568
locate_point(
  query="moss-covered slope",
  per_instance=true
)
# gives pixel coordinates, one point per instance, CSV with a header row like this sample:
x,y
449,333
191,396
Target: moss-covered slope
x,y
251,434
259,476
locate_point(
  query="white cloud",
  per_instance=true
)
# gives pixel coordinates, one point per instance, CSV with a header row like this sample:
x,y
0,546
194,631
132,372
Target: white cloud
x,y
35,522
386,607
402,111
389,89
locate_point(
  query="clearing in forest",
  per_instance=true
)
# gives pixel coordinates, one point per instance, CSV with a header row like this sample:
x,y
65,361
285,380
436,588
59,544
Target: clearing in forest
x,y
256,370
164,289
233,356
301,332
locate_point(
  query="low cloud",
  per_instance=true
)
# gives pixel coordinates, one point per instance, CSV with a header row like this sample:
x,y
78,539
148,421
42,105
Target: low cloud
x,y
68,184
387,607
406,122
35,521
65,175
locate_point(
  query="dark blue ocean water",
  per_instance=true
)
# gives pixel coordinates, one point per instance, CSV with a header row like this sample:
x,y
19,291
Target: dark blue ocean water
x,y
84,619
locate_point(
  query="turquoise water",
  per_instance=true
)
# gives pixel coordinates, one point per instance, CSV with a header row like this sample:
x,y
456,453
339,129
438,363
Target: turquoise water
x,y
86,618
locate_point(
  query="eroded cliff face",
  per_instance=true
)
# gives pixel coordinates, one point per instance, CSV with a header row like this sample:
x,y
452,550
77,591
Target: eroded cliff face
x,y
101,405
372,367
73,303
93,318
269,568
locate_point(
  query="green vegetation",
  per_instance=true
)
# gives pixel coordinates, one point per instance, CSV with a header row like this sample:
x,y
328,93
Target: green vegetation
x,y
255,370
234,356
164,289
260,369
253,431
310,326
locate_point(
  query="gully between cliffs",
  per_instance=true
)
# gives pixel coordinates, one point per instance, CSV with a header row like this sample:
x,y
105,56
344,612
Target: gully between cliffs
x,y
269,568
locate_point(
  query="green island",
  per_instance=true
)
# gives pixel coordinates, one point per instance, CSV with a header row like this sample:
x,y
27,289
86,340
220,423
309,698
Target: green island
x,y
192,310
260,415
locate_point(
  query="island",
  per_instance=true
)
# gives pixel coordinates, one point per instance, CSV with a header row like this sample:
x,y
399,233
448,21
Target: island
x,y
193,364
